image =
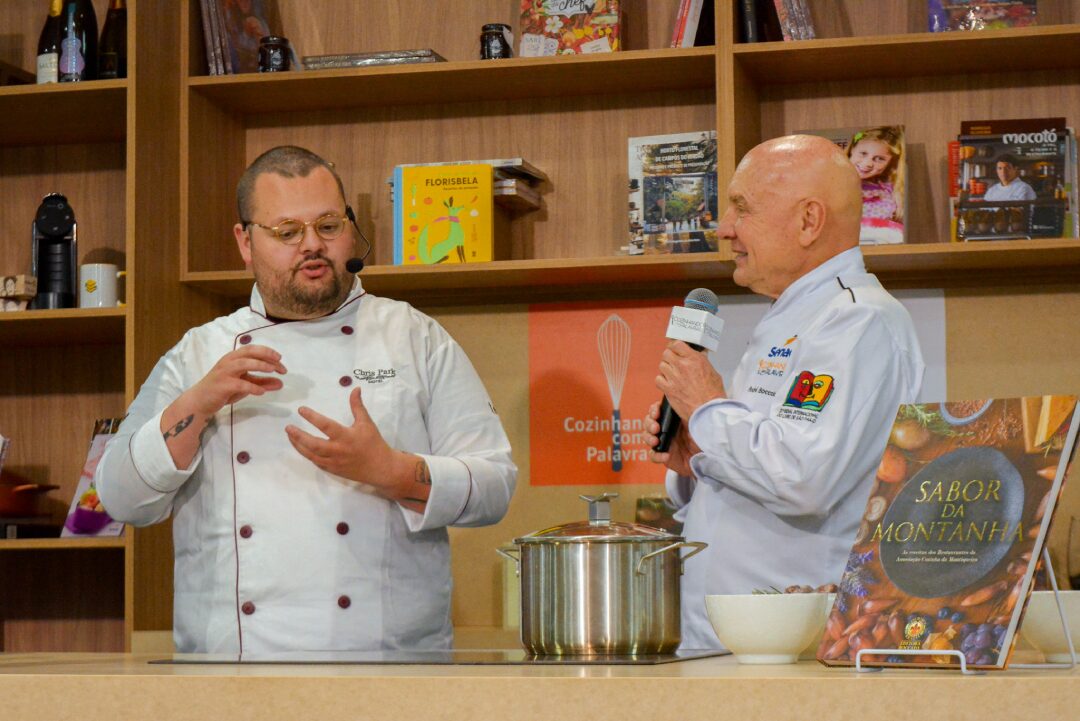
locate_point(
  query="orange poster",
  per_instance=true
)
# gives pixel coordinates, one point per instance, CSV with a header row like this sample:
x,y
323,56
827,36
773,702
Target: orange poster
x,y
592,376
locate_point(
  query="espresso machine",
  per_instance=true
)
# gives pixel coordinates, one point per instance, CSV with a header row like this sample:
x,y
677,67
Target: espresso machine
x,y
55,254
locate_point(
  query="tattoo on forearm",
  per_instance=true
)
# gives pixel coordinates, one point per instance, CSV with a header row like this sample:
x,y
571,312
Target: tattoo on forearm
x,y
178,428
423,474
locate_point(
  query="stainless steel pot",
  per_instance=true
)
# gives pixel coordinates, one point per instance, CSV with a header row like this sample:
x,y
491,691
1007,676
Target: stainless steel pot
x,y
600,587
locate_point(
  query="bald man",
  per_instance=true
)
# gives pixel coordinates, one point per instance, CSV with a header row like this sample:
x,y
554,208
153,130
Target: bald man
x,y
774,474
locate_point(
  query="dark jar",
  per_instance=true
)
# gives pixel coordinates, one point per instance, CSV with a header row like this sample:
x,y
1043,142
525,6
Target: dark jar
x,y
273,54
496,41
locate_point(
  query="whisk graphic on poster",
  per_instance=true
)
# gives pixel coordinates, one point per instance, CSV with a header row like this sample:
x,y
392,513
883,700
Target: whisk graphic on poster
x,y
613,340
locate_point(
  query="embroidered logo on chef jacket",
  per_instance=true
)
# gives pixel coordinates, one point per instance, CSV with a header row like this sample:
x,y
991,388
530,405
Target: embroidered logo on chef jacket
x,y
775,362
375,376
807,396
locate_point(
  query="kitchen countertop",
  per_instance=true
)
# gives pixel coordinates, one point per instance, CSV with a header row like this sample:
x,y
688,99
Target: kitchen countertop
x,y
120,686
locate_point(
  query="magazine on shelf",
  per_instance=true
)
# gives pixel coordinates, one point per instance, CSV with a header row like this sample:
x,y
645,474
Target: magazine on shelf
x,y
87,517
673,204
569,27
443,214
1015,179
879,154
243,25
953,533
946,15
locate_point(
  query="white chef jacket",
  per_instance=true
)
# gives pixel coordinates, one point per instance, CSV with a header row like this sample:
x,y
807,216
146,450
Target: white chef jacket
x,y
783,479
275,554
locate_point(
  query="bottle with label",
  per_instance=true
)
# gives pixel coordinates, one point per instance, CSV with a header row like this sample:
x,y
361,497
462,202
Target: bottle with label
x,y
112,49
48,49
78,46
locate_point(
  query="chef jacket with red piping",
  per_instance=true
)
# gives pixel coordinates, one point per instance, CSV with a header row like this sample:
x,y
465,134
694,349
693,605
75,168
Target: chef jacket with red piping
x,y
273,554
788,461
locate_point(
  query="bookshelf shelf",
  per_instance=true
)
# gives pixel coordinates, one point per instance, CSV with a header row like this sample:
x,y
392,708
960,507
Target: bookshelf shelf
x,y
94,111
87,326
911,55
61,544
451,82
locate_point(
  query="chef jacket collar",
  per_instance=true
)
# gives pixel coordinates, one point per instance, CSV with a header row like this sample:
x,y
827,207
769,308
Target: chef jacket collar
x,y
842,265
257,306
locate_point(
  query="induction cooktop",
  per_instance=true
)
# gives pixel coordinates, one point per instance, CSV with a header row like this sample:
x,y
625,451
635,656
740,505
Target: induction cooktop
x,y
465,657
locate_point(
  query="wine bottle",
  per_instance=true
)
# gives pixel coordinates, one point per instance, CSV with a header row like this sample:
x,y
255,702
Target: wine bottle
x,y
112,49
78,46
48,48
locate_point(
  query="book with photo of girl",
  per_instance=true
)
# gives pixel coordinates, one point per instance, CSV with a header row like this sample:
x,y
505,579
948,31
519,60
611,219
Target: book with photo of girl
x,y
879,155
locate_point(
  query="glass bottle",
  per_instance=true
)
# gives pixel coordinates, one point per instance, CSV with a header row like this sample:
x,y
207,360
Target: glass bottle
x,y
78,47
48,49
112,49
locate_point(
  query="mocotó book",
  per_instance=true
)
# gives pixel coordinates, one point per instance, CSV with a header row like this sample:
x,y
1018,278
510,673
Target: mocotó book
x,y
953,533
443,214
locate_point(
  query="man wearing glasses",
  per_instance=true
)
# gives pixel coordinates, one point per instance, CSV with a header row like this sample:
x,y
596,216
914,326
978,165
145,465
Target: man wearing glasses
x,y
312,448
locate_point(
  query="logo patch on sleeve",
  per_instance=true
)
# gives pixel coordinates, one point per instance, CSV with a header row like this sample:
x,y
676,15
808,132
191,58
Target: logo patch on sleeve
x,y
809,393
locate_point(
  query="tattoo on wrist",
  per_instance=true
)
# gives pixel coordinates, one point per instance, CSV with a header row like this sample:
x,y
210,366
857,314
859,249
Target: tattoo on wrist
x,y
178,428
423,474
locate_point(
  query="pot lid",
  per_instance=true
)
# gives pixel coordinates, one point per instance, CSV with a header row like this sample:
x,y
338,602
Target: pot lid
x,y
599,527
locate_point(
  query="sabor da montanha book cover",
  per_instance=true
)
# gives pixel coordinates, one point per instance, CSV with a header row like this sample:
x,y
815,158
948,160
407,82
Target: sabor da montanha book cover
x,y
953,533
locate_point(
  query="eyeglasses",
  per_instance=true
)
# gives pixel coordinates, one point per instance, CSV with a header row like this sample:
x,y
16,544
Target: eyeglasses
x,y
291,232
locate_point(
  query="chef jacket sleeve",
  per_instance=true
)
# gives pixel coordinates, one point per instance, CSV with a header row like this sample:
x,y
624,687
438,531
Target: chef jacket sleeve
x,y
136,478
472,474
799,461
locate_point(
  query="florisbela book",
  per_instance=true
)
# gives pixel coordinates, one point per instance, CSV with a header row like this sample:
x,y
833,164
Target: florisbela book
x,y
1016,180
673,193
879,154
443,214
953,533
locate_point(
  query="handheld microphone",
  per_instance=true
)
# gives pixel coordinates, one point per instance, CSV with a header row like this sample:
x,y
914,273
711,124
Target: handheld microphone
x,y
696,324
355,265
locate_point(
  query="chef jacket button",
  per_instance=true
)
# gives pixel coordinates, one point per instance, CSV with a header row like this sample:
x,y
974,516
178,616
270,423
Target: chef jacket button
x,y
245,339
343,528
344,601
248,608
245,531
243,456
345,381
347,329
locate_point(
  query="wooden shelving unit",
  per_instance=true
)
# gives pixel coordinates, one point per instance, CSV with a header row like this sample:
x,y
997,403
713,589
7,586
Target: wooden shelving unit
x,y
70,113
61,544
82,326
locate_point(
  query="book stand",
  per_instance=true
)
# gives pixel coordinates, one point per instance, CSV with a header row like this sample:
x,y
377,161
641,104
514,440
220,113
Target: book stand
x,y
859,668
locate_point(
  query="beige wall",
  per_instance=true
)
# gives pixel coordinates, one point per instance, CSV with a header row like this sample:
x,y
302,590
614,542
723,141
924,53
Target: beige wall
x,y
999,342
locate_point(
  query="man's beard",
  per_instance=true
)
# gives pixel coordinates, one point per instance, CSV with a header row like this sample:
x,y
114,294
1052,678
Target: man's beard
x,y
282,293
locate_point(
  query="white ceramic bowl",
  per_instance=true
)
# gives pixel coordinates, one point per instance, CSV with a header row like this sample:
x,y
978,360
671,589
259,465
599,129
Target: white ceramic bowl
x,y
767,628
1042,624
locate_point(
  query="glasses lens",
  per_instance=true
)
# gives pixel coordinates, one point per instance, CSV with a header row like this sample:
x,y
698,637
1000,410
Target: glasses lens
x,y
330,226
290,231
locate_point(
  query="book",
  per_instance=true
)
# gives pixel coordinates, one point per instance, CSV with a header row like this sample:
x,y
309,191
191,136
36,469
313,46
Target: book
x,y
504,168
783,15
87,517
356,60
1017,179
516,194
209,38
879,154
803,21
748,21
948,15
680,23
243,24
953,533
694,26
673,193
569,27
443,214
768,21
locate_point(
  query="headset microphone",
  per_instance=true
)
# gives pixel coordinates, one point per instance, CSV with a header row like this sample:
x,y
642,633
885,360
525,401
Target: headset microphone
x,y
355,265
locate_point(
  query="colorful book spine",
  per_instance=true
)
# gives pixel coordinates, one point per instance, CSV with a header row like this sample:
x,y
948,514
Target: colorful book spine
x,y
443,214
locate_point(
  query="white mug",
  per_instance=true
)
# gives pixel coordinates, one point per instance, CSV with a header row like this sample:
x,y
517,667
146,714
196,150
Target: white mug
x,y
97,285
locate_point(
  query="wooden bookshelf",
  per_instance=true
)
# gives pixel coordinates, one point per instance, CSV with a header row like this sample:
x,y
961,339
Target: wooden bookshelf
x,y
61,544
84,326
94,111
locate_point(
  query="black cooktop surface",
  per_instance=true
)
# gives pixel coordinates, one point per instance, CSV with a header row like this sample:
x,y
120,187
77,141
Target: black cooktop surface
x,y
465,657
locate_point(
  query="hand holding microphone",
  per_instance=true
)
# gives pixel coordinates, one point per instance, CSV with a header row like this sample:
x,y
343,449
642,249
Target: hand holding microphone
x,y
696,324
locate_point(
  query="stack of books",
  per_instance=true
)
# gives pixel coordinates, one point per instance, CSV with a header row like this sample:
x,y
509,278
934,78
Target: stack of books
x,y
770,20
231,34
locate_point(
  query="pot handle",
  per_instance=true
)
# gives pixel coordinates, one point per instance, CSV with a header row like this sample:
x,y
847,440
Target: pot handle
x,y
698,547
509,553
